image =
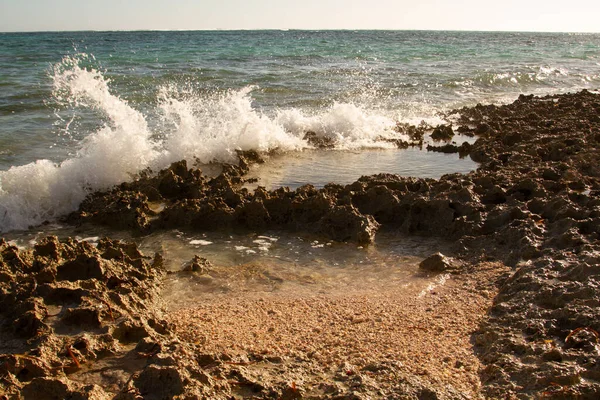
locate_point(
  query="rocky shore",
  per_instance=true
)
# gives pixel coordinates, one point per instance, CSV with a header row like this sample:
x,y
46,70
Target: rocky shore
x,y
532,210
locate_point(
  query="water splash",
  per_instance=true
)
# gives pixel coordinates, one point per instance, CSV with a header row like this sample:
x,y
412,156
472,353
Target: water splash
x,y
208,129
43,190
197,128
349,125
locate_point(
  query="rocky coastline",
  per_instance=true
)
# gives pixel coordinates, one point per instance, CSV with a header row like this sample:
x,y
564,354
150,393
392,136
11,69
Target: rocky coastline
x,y
532,208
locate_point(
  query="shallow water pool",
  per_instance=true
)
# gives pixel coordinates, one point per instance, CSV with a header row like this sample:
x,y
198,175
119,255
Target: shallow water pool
x,y
271,263
319,167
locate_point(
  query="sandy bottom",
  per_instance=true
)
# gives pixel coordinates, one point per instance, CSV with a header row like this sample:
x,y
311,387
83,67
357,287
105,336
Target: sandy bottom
x,y
420,331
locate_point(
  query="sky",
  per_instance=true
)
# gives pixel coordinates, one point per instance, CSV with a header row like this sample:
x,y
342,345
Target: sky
x,y
482,15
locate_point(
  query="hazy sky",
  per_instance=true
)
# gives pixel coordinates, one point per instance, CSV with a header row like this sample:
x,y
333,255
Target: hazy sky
x,y
522,15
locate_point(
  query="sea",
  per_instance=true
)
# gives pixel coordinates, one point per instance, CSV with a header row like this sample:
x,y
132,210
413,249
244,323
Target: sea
x,y
82,111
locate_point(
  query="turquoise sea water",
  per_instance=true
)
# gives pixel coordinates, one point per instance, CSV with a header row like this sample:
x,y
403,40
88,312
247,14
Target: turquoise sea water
x,y
81,111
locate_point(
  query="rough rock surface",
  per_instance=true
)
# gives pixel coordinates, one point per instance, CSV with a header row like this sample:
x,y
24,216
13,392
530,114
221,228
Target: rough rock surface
x,y
540,158
66,306
442,132
534,204
436,263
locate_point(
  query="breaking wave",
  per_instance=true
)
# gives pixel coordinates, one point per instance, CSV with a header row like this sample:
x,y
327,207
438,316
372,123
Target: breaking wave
x,y
199,128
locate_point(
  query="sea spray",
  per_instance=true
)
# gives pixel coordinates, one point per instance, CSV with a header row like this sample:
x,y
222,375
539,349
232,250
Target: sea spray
x,y
122,147
199,128
208,129
39,191
349,125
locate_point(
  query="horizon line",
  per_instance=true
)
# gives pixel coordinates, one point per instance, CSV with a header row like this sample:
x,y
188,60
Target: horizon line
x,y
293,29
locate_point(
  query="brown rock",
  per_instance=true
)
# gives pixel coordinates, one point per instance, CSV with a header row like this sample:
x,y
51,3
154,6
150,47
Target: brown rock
x,y
198,264
436,263
345,223
159,383
442,132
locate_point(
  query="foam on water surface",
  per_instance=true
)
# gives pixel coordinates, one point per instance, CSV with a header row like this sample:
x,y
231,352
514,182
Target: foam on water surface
x,y
200,242
199,128
159,97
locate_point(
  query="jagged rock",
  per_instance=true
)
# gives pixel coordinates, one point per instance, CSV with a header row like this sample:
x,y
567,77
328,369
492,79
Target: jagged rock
x,y
427,216
131,332
198,264
309,208
442,132
30,319
344,223
252,215
126,210
60,389
533,204
247,158
94,295
584,338
415,133
280,206
160,383
436,263
321,142
379,201
495,195
463,150
81,268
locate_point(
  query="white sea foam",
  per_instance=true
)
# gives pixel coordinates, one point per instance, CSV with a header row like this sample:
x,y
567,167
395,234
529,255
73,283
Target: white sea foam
x,y
211,129
349,125
263,244
43,190
272,239
196,128
200,242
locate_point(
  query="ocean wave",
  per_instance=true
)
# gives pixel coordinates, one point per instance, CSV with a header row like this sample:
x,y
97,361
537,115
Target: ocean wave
x,y
197,127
